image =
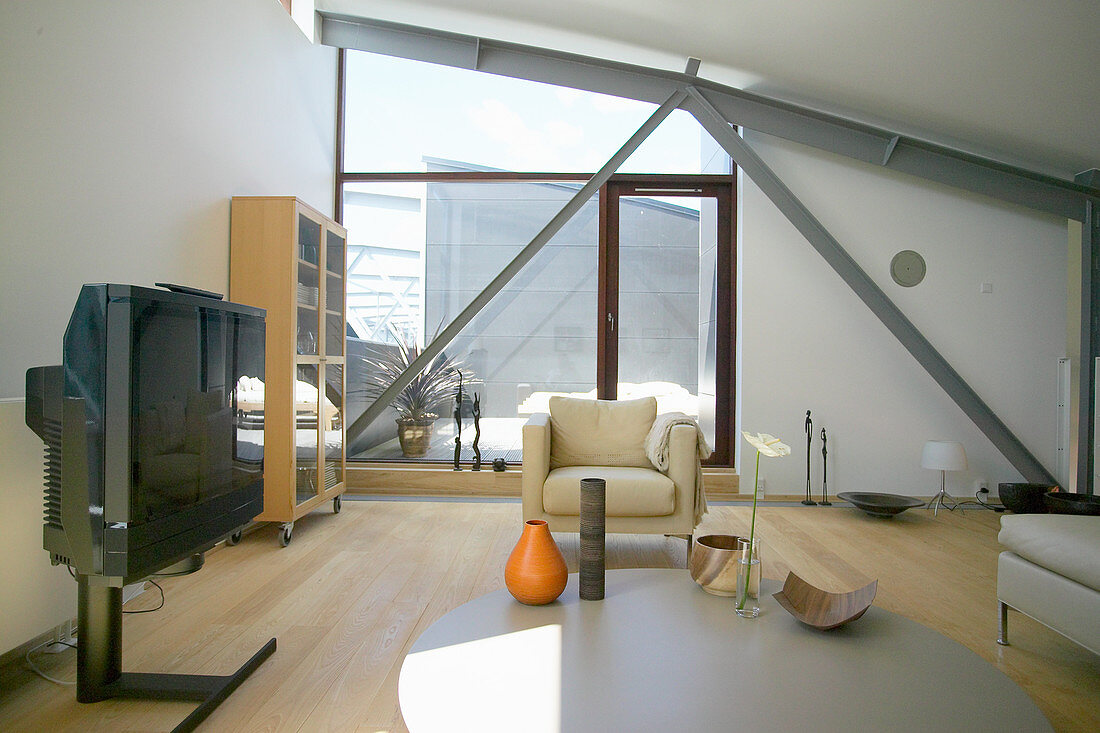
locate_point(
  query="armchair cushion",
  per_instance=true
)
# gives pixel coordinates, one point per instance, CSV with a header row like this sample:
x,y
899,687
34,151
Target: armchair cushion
x,y
600,432
631,491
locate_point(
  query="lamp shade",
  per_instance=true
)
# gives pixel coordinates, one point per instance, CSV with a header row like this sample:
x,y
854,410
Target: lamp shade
x,y
943,455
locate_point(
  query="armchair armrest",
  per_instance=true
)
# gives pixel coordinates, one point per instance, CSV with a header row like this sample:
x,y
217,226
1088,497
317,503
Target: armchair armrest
x,y
682,447
536,462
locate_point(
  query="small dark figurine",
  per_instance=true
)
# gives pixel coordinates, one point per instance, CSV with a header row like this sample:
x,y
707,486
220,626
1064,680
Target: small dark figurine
x,y
499,464
808,501
458,423
477,432
824,471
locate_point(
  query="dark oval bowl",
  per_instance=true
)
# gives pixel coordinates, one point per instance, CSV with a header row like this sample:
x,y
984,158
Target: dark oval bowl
x,y
1024,498
1063,502
879,505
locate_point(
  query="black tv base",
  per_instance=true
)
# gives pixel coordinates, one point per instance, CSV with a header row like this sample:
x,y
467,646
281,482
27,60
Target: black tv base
x,y
99,674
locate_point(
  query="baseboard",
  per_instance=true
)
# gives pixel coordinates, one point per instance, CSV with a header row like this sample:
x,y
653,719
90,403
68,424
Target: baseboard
x,y
397,479
405,480
19,653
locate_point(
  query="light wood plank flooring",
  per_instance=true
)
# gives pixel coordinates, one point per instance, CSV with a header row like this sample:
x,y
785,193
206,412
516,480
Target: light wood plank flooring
x,y
353,591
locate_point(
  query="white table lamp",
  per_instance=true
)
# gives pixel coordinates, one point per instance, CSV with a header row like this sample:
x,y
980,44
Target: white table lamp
x,y
944,456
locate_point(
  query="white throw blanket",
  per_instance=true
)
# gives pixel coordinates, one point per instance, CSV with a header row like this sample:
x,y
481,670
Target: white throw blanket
x,y
656,450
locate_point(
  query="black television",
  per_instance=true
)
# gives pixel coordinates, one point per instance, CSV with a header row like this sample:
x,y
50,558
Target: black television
x,y
146,465
144,468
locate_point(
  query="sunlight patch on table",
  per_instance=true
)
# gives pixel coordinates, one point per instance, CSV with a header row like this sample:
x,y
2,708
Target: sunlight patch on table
x,y
522,668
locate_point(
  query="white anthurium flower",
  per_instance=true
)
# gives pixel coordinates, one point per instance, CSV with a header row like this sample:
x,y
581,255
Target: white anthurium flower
x,y
767,445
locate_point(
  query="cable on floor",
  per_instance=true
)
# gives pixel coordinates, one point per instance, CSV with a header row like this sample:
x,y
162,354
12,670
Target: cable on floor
x,y
34,667
150,610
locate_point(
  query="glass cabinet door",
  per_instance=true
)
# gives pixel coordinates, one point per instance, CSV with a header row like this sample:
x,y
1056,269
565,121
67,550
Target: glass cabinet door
x,y
335,330
308,421
333,425
308,297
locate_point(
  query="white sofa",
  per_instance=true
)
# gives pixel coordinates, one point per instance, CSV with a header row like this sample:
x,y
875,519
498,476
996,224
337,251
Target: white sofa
x,y
605,439
1051,572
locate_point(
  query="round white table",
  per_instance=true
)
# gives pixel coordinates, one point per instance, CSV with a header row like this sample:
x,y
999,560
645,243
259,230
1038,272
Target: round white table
x,y
660,654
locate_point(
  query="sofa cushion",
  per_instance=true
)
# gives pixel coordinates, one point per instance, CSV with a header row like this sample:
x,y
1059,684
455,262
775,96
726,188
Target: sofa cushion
x,y
1062,543
600,432
630,492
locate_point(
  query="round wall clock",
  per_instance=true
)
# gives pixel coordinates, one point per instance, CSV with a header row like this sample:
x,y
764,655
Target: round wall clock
x,y
907,268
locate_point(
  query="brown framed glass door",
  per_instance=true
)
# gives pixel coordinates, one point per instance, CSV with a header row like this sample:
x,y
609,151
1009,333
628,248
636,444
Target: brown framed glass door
x,y
667,294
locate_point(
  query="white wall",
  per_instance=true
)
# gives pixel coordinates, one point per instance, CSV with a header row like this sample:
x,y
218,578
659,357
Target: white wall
x,y
808,342
124,129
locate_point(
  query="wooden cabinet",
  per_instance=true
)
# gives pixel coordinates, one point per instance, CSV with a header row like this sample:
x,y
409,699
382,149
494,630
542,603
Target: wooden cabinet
x,y
290,259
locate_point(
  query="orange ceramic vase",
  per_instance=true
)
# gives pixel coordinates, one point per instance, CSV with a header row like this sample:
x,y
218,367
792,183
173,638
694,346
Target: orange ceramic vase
x,y
535,572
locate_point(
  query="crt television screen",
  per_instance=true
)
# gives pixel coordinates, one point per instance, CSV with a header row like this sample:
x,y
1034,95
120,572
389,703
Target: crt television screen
x,y
184,420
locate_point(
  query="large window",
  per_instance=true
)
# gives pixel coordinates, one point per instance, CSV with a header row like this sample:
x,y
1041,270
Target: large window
x,y
448,175
400,115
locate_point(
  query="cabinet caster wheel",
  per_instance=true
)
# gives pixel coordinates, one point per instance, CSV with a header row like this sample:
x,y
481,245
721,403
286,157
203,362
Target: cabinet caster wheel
x,y
336,505
233,539
284,536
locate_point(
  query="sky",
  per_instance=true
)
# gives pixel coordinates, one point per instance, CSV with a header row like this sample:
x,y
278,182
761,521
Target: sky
x,y
400,111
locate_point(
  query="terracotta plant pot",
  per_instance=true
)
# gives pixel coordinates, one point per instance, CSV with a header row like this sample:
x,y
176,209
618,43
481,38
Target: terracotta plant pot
x,y
415,435
535,572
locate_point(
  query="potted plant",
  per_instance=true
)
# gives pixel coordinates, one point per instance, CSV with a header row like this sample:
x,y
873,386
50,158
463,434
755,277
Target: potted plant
x,y
417,405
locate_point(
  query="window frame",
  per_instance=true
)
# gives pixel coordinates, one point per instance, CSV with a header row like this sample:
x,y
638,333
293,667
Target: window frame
x,y
723,187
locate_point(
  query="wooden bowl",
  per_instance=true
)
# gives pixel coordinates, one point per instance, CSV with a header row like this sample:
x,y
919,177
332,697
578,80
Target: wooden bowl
x,y
714,563
821,609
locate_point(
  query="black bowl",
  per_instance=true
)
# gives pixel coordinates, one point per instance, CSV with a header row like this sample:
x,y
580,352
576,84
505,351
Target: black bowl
x,y
879,505
1063,502
1024,498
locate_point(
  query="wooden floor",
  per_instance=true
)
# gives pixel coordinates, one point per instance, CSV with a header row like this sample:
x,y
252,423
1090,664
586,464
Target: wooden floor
x,y
354,590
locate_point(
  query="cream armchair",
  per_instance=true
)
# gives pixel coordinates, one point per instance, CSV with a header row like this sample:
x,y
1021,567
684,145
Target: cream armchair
x,y
582,438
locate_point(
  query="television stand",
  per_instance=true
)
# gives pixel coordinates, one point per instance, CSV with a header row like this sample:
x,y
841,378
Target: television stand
x,y
99,674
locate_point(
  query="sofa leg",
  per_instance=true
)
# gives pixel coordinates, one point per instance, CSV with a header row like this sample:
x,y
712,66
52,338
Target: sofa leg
x,y
1002,625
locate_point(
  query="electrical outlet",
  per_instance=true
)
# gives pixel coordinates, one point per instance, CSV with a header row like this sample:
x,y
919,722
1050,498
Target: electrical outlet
x,y
981,485
761,484
64,639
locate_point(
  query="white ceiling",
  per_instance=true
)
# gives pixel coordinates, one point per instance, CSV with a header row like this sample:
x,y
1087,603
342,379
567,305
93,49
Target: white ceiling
x,y
1014,80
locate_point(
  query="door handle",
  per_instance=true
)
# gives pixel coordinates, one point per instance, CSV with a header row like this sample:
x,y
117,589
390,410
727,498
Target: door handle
x,y
611,322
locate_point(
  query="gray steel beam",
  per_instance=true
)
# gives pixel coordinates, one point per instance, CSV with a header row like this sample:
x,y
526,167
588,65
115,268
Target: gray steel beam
x,y
404,41
589,189
864,287
756,112
1090,178
1090,348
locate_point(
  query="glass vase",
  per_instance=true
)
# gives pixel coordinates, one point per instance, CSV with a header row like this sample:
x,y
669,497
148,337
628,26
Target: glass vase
x,y
748,578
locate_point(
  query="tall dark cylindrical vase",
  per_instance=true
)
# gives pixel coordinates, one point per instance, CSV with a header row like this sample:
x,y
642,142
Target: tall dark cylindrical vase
x,y
593,507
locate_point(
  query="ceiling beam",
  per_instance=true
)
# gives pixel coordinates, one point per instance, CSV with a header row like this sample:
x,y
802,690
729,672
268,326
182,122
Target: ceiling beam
x,y
833,133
